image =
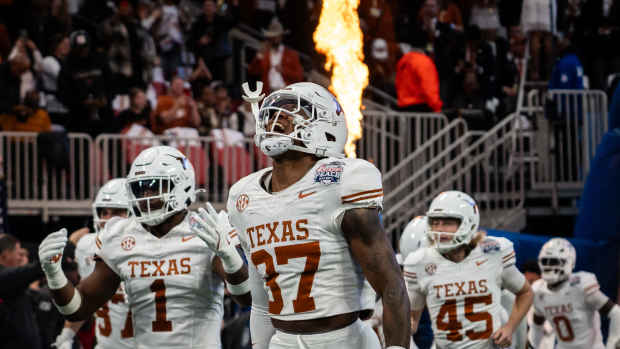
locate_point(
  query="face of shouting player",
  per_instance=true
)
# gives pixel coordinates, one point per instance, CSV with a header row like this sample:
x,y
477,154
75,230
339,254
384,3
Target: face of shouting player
x,y
447,227
149,193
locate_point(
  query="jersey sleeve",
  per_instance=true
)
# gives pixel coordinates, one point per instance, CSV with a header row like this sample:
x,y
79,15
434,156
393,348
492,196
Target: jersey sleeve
x,y
84,255
417,298
593,296
537,287
361,187
105,242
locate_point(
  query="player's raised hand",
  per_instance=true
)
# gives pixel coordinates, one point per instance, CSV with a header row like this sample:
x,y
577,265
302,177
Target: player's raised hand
x,y
64,339
503,337
213,229
50,257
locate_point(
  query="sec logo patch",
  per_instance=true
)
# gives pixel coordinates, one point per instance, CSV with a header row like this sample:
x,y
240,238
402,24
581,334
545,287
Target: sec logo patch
x,y
242,202
431,268
128,243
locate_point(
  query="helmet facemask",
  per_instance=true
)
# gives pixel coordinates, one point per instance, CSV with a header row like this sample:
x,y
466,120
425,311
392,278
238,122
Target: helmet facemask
x,y
152,199
305,118
553,270
461,236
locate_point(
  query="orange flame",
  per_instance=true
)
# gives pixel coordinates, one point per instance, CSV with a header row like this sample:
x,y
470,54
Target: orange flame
x,y
340,38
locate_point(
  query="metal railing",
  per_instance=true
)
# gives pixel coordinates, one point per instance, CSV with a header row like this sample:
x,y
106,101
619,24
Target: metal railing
x,y
217,167
389,136
46,181
475,163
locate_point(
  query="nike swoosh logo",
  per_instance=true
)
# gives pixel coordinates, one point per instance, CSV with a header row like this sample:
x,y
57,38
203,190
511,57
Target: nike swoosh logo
x,y
302,195
481,262
187,238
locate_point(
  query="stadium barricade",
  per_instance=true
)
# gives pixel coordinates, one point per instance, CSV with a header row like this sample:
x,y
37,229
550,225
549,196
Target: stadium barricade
x,y
48,173
389,136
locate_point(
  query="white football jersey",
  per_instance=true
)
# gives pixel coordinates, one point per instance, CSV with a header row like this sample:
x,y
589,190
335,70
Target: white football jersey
x,y
113,326
295,240
463,299
576,323
175,297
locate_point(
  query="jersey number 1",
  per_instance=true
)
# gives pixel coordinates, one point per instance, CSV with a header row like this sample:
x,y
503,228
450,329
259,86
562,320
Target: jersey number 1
x,y
453,326
312,252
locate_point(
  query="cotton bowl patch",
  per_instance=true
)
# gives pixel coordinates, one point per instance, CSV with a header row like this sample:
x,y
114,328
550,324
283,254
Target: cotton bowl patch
x,y
329,173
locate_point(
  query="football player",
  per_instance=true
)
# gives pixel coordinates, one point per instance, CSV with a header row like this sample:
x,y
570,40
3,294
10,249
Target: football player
x,y
113,327
310,227
413,238
460,278
571,302
173,282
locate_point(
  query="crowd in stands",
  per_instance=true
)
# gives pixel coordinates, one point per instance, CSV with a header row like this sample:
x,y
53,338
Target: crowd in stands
x,y
103,66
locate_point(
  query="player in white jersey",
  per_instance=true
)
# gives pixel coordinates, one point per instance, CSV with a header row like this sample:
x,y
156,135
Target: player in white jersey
x,y
310,227
113,328
174,283
460,278
571,301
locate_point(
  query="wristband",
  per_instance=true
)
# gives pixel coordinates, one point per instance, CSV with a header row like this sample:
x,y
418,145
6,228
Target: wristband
x,y
74,304
239,289
231,260
56,281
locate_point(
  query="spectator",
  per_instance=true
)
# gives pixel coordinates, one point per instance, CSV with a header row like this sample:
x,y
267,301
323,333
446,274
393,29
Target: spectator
x,y
449,13
201,76
276,65
169,38
376,21
29,117
417,83
18,323
568,72
82,86
209,37
10,81
381,63
176,109
206,109
50,69
599,29
139,110
538,23
119,33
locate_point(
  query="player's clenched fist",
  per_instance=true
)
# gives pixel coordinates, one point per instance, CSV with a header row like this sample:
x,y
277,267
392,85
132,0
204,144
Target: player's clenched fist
x,y
50,257
213,229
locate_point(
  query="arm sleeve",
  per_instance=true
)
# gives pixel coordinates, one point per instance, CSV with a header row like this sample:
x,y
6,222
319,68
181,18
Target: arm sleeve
x,y
105,243
593,296
360,187
417,299
512,279
261,329
15,281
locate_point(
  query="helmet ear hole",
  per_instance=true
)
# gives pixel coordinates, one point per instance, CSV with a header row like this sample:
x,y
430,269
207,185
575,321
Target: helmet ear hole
x,y
330,137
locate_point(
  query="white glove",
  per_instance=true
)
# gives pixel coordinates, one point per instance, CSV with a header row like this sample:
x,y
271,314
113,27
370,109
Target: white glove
x,y
50,257
64,339
213,229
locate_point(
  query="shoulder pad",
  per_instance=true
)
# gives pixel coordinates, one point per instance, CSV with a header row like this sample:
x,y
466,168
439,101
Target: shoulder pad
x,y
112,230
584,280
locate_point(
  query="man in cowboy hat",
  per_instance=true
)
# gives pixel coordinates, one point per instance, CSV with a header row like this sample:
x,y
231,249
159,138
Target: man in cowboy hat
x,y
276,65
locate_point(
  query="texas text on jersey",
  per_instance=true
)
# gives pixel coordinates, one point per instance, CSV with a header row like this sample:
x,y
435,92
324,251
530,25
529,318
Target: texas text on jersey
x,y
302,255
576,322
176,299
463,298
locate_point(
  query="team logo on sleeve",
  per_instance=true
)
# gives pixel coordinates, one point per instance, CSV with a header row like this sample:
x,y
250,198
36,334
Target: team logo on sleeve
x,y
242,202
330,173
489,245
128,243
430,268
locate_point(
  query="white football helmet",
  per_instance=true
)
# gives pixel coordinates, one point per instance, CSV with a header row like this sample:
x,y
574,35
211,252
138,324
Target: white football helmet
x,y
556,260
318,119
414,236
113,194
162,173
453,204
